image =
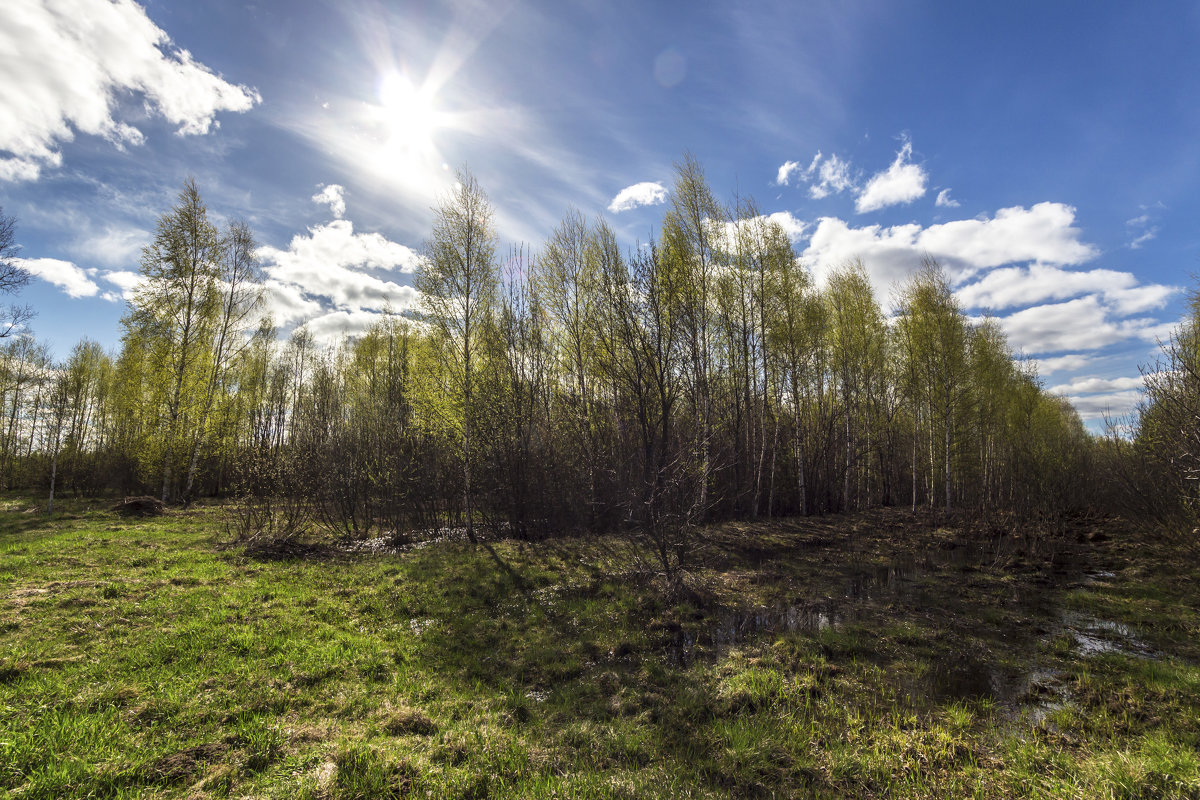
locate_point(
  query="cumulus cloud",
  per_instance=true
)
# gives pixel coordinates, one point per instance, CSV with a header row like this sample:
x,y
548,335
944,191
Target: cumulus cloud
x,y
333,196
1021,286
792,227
900,183
1044,233
332,263
828,176
331,327
68,67
944,200
646,193
73,280
1085,323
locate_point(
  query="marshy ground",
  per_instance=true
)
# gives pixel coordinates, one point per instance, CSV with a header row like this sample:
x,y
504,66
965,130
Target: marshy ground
x,y
883,654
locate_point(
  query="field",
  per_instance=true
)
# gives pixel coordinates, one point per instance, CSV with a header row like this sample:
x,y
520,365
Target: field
x,y
882,654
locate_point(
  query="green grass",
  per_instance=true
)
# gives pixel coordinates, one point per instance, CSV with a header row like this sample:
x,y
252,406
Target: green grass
x,y
141,658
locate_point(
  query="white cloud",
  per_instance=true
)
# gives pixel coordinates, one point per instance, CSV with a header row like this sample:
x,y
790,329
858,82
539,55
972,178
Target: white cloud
x,y
902,182
126,280
73,280
1085,323
1142,227
1022,286
1138,241
329,328
785,172
1044,233
330,263
1067,363
1113,405
828,176
333,196
68,66
792,227
646,193
1093,385
115,246
944,200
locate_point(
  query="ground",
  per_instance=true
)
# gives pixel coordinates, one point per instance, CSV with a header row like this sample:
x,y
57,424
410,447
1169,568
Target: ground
x,y
881,654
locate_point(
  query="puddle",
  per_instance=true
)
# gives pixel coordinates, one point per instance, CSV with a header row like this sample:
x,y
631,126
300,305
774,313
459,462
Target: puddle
x,y
1094,637
1026,693
734,628
1034,693
897,580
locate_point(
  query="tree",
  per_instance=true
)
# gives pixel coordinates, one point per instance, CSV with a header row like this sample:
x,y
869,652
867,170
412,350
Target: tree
x,y
173,314
457,280
568,287
12,276
239,295
690,253
935,333
856,345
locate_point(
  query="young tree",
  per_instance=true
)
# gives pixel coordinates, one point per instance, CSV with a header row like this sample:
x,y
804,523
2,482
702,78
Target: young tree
x,y
936,336
457,280
238,297
691,229
856,344
568,287
173,313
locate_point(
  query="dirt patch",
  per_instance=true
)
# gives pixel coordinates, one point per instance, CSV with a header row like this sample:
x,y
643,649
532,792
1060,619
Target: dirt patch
x,y
407,721
145,506
184,764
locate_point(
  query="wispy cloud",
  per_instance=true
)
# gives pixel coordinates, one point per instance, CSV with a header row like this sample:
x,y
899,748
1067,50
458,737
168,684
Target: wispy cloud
x,y
828,175
646,193
1141,228
68,64
900,183
784,174
944,200
1093,385
1064,363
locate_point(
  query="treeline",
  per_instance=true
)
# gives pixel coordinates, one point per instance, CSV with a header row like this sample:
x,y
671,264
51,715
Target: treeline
x,y
1152,457
703,375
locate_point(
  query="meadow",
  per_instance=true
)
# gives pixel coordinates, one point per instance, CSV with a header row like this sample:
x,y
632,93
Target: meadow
x,y
876,654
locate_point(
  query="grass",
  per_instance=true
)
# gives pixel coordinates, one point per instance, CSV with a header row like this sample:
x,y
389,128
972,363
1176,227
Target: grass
x,y
875,655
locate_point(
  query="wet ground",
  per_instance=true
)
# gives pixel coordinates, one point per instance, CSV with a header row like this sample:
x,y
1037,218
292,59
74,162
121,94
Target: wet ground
x,y
987,617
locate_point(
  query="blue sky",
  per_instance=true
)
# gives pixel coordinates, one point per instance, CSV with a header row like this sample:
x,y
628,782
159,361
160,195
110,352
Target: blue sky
x,y
1046,153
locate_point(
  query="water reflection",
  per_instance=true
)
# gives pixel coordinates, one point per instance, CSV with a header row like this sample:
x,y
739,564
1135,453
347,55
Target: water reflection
x,y
1026,692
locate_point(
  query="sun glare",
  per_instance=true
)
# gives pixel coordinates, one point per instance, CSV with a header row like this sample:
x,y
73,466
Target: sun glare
x,y
409,116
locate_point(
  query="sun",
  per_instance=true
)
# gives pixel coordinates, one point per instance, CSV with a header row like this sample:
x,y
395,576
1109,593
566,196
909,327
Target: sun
x,y
410,118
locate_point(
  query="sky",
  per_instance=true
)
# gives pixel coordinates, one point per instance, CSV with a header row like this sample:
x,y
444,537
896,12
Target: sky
x,y
1046,154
